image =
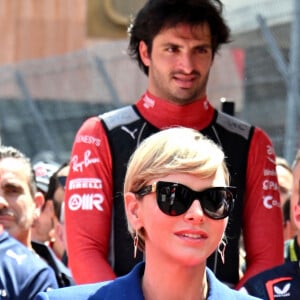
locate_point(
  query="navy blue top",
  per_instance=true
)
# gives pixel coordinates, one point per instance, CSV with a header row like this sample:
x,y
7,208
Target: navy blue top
x,y
129,287
22,273
62,273
280,283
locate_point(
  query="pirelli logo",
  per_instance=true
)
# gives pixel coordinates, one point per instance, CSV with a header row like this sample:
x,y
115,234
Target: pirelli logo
x,y
85,183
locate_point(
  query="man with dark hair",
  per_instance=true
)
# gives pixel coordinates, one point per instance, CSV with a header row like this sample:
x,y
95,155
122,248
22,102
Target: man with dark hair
x,y
174,43
21,205
56,194
42,229
22,273
54,252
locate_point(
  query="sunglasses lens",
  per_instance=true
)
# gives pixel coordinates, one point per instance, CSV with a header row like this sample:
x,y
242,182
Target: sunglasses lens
x,y
171,198
175,199
62,180
215,203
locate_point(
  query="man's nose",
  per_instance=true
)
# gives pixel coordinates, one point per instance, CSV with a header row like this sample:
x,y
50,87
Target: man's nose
x,y
187,63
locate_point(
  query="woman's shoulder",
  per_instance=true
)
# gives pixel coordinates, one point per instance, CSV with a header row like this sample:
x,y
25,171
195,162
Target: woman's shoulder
x,y
77,292
124,287
219,290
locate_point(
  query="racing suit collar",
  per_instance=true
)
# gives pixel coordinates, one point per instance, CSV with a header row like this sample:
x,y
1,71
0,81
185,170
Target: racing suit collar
x,y
162,113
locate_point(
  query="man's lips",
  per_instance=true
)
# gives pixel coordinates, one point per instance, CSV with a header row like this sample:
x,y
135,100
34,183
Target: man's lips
x,y
6,212
185,81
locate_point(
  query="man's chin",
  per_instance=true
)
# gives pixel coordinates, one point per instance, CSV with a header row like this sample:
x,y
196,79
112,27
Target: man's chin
x,y
6,221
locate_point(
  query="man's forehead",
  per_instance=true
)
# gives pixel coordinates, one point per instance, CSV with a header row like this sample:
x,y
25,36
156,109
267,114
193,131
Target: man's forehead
x,y
13,168
198,31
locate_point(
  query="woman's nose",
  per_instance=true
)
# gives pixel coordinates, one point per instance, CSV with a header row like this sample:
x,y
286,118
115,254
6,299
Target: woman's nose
x,y
195,212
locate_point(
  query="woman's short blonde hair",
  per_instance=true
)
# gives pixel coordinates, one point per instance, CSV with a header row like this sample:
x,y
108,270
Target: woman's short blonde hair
x,y
174,150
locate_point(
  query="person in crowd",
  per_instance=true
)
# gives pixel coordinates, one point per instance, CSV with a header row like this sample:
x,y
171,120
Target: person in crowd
x,y
282,282
177,201
21,207
292,246
43,170
285,181
56,193
289,229
43,227
175,43
55,254
22,272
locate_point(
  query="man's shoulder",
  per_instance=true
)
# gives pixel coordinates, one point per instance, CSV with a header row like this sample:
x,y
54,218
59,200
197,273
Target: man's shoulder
x,y
281,281
63,274
11,247
121,116
18,256
28,273
287,269
23,263
234,124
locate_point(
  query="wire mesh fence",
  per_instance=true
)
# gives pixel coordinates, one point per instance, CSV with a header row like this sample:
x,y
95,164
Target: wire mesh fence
x,y
43,102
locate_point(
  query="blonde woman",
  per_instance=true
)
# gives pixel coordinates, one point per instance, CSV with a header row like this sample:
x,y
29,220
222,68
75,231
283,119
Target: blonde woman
x,y
177,203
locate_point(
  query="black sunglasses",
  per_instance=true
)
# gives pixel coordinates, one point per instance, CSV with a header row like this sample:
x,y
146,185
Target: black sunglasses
x,y
174,199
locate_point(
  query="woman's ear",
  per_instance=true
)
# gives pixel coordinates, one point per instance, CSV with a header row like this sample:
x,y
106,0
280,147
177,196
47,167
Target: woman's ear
x,y
133,210
143,49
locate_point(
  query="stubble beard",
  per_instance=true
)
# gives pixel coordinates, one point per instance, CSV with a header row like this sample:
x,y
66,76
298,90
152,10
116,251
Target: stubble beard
x,y
183,96
171,92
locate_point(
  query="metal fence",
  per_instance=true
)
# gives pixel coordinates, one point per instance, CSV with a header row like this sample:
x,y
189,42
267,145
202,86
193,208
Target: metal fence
x,y
43,102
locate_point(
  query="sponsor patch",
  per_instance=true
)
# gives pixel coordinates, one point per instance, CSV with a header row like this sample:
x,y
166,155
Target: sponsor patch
x,y
79,165
86,202
270,185
87,139
269,202
85,183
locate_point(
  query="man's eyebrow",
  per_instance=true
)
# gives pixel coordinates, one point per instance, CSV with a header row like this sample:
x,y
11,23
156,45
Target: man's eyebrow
x,y
178,45
169,44
12,184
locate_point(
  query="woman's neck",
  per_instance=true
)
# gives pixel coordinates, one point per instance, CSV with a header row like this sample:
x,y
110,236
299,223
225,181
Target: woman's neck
x,y
164,281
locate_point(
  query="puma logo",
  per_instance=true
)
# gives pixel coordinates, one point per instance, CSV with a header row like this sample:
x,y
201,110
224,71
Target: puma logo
x,y
18,258
131,133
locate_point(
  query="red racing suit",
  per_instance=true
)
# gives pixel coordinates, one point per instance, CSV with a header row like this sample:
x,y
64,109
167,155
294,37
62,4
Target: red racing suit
x,y
95,184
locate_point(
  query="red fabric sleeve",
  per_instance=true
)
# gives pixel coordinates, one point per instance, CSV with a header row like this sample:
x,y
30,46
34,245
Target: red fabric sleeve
x,y
262,216
88,206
